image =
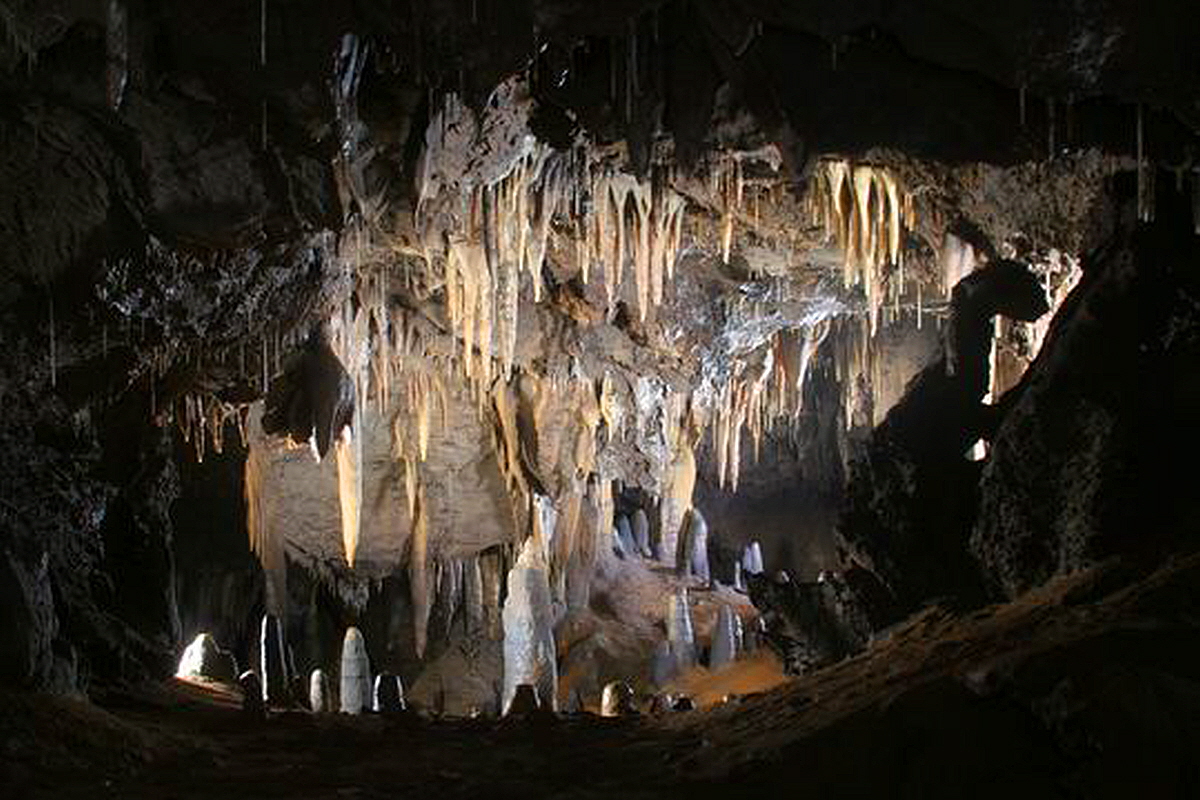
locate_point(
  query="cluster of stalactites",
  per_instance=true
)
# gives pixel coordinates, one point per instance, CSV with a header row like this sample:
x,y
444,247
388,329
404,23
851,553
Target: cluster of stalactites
x,y
865,212
766,389
463,593
503,223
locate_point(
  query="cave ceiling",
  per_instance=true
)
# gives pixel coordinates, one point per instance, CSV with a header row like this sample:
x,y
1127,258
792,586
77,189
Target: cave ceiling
x,y
581,239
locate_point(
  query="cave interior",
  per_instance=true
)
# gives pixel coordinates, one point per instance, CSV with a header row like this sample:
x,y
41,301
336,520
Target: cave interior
x,y
646,398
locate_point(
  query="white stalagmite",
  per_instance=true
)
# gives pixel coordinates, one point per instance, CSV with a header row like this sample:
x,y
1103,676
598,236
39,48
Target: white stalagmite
x,y
725,638
680,632
320,699
356,674
529,652
752,560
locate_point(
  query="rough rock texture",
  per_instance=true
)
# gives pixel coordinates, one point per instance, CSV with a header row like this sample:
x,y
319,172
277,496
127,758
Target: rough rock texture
x,y
1087,463
810,624
910,497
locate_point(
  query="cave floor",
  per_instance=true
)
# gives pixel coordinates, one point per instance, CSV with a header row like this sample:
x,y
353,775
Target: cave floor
x,y
1087,687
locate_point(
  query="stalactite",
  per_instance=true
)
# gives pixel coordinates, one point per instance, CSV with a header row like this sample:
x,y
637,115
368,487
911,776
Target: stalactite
x,y
418,575
865,211
350,485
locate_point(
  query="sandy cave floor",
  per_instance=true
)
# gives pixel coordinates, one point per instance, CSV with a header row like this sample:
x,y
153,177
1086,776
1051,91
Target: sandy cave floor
x,y
1075,689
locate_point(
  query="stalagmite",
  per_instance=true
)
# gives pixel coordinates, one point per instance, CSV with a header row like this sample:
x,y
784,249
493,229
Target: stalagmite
x,y
320,697
272,667
617,700
680,632
529,650
752,560
388,696
725,639
356,674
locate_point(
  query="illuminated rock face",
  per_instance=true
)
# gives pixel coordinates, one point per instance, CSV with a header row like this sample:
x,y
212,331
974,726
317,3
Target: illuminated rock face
x,y
356,674
529,651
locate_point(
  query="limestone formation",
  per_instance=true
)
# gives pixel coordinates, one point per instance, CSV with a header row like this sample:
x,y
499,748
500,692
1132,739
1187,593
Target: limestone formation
x,y
529,650
691,557
641,533
320,696
725,638
680,632
752,560
617,700
389,694
356,674
273,668
205,659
